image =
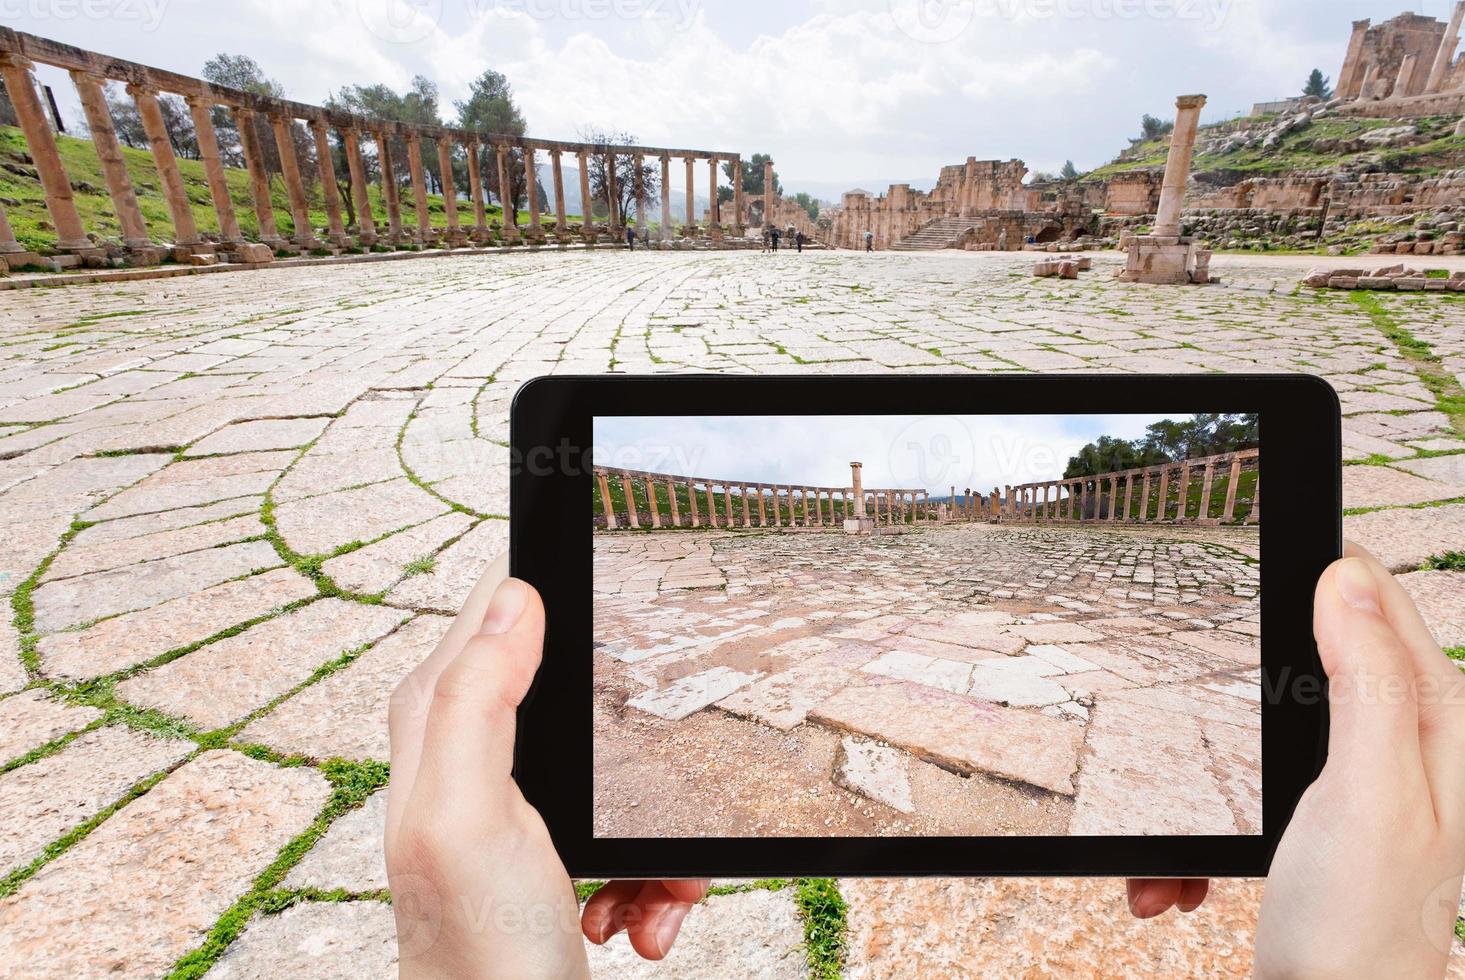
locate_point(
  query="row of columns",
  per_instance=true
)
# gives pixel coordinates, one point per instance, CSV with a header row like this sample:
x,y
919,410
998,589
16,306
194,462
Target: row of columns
x,y
714,503
1068,500
136,237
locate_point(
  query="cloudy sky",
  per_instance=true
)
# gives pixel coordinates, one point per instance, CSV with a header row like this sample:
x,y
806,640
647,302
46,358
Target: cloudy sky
x,y
841,92
911,452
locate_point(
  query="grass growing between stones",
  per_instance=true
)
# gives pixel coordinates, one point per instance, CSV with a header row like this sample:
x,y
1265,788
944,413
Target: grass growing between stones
x,y
352,783
825,915
1450,561
1448,393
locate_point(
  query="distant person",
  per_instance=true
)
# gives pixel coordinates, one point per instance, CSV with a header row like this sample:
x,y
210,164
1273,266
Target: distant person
x,y
646,236
631,237
1002,240
869,241
774,234
799,240
767,238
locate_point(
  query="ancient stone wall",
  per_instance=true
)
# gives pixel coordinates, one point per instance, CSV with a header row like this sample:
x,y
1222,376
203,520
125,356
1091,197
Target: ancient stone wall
x,y
1407,56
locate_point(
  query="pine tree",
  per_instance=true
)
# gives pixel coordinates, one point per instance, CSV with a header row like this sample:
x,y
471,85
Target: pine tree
x,y
1069,171
1318,85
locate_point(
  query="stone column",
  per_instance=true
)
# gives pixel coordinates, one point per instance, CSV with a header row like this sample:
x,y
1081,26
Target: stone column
x,y
1162,506
1177,166
587,206
1182,499
284,129
1204,515
714,209
655,510
475,190
1044,504
560,224
638,189
259,178
768,193
665,232
390,191
606,505
762,507
692,503
1370,73
201,109
185,228
711,507
691,224
1351,77
747,522
535,230
455,235
671,497
8,244
1128,495
727,507
612,195
632,518
506,193
890,508
1405,76
1144,499
1229,511
739,210
109,153
1446,52
70,234
419,188
1255,514
330,194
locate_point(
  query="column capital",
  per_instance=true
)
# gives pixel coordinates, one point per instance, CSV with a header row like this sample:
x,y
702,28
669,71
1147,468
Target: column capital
x,y
141,89
195,99
88,75
412,136
14,59
1190,101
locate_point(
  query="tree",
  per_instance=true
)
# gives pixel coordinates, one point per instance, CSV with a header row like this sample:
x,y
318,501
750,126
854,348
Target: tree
x,y
809,203
625,175
490,109
1069,171
1167,441
1318,85
127,121
244,73
1153,127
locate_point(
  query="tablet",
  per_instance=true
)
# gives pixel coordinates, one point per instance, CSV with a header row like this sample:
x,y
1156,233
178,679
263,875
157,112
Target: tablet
x,y
954,625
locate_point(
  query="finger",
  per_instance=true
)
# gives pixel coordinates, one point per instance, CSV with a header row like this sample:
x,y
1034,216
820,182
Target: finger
x,y
687,889
407,709
1374,726
606,911
1149,897
470,726
1403,615
655,929
1193,892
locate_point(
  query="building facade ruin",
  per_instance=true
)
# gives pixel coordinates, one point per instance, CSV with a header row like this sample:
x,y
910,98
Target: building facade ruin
x,y
140,244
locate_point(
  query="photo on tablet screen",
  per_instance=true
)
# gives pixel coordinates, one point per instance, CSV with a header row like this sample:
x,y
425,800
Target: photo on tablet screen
x,y
931,626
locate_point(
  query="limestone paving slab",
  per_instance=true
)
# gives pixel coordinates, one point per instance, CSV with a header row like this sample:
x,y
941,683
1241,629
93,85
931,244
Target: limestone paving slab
x,y
1440,596
259,435
85,598
224,681
349,855
378,567
32,718
318,525
1380,486
40,802
1403,539
691,693
154,878
320,940
84,559
13,676
132,638
455,571
345,715
147,524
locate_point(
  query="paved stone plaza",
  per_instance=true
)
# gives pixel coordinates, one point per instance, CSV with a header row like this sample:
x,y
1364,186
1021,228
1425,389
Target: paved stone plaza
x,y
974,679
238,507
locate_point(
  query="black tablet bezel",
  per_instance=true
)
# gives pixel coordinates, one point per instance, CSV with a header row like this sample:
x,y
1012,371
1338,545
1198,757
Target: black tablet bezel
x,y
550,547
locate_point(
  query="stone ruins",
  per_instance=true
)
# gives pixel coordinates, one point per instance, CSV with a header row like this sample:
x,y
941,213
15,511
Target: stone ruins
x,y
1165,255
1409,59
858,509
91,72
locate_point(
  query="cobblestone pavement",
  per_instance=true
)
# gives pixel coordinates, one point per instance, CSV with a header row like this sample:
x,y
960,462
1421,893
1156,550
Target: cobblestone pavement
x,y
1096,681
237,508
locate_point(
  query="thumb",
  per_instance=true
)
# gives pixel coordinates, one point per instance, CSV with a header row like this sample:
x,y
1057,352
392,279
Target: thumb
x,y
471,721
1371,692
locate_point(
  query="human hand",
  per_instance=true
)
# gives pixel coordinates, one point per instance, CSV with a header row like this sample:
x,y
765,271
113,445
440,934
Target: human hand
x,y
477,888
1367,878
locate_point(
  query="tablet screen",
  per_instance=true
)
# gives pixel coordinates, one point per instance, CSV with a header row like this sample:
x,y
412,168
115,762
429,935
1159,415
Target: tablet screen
x,y
935,626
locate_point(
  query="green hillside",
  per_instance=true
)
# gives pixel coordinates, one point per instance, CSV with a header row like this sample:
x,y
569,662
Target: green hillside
x,y
20,192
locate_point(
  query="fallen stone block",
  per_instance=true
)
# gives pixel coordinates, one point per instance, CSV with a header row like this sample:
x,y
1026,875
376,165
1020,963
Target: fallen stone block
x,y
1343,282
203,259
1375,282
1318,278
1409,283
876,772
255,253
692,693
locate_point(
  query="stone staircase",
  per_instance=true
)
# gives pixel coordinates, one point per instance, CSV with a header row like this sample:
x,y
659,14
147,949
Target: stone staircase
x,y
934,234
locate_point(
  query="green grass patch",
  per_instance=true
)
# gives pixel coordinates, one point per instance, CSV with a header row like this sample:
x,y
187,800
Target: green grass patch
x,y
1442,383
825,915
1449,561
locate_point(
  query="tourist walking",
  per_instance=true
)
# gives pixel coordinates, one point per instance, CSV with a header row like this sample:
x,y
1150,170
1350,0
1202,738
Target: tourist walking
x,y
767,238
775,233
869,241
799,240
631,237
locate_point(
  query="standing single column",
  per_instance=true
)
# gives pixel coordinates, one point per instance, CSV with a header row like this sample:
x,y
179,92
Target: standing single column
x,y
1207,477
587,206
739,212
1182,499
109,152
284,129
70,233
390,191
475,190
1162,510
655,510
259,178
762,506
1235,477
727,504
419,190
632,517
1446,52
1350,77
747,522
612,195
535,230
506,194
1144,499
8,244
638,190
691,225
326,164
185,228
714,208
692,502
671,496
1177,166
768,196
804,495
1044,505
711,507
560,225
1255,514
455,235
605,502
201,110
665,231
1128,495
